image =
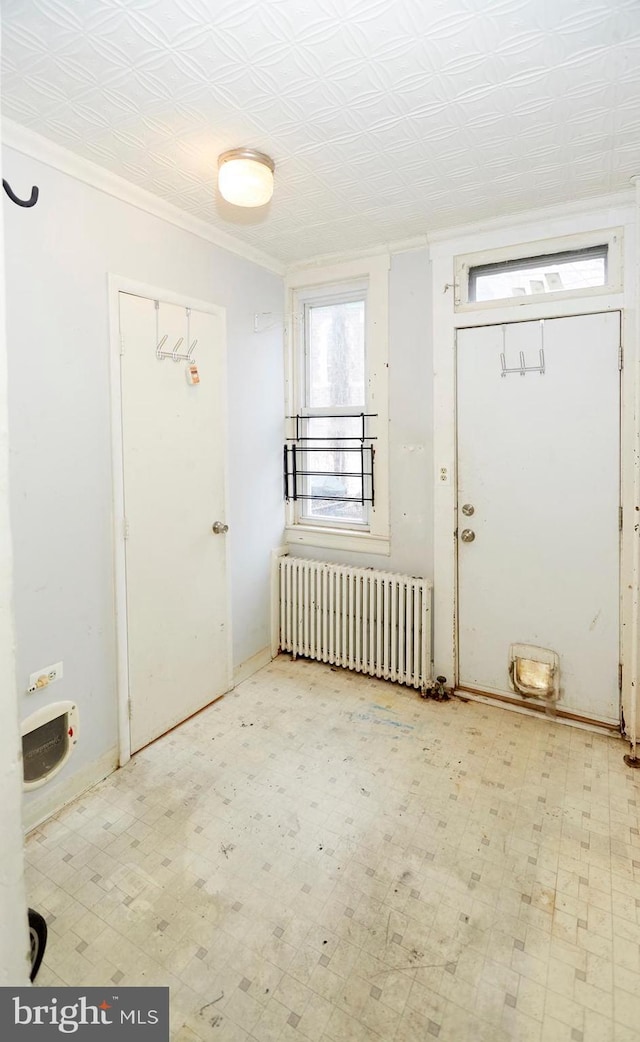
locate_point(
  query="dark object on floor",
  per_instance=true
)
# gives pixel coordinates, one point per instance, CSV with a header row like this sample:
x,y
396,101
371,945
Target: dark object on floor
x,y
631,761
31,201
37,940
437,690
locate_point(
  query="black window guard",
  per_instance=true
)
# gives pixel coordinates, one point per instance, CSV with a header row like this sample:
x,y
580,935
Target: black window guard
x,y
296,465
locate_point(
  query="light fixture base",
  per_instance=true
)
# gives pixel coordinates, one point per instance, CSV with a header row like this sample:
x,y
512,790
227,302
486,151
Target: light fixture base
x,y
246,153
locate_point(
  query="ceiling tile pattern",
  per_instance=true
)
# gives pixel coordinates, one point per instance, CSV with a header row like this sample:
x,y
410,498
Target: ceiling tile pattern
x,y
385,118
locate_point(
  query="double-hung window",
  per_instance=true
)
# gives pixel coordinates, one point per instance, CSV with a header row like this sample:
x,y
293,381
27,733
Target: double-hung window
x,y
336,450
334,424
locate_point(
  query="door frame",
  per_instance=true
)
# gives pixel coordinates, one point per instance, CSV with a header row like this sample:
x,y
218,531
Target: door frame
x,y
446,322
120,284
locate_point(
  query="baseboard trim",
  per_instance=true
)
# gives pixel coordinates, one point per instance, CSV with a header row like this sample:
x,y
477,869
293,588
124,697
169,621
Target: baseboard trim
x,y
37,810
539,712
251,665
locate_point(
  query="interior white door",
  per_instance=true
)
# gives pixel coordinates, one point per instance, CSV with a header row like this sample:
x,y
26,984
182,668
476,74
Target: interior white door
x,y
174,491
538,463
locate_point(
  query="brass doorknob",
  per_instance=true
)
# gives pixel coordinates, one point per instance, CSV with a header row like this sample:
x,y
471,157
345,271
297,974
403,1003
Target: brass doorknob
x,y
219,528
467,535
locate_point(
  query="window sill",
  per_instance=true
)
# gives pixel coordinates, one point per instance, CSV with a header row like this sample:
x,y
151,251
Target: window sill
x,y
334,539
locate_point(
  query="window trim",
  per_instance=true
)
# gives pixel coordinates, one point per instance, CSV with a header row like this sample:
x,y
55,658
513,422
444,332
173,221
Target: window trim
x,y
313,285
610,238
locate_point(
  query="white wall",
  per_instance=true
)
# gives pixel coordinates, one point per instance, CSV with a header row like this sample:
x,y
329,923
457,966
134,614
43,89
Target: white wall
x,y
14,944
410,425
411,414
58,256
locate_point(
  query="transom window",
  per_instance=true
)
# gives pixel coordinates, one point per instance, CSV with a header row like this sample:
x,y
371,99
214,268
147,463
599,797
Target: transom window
x,y
528,276
531,274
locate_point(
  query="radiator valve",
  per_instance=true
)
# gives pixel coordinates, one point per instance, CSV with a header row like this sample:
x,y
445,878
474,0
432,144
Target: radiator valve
x,y
437,690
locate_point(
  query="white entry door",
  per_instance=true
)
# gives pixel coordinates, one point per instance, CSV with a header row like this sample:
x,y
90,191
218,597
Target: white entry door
x,y
538,502
174,491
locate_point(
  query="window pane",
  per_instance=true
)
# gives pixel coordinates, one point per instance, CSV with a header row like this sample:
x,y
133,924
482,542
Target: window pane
x,y
580,269
331,428
331,468
336,355
333,508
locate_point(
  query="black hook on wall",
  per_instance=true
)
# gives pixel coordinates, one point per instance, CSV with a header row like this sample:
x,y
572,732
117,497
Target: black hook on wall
x,y
31,201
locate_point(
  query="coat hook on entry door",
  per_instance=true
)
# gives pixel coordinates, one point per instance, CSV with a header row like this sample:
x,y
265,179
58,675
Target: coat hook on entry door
x,y
522,368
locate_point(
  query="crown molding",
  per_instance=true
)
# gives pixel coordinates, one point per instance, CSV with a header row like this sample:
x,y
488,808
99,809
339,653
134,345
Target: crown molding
x,y
26,141
575,207
417,242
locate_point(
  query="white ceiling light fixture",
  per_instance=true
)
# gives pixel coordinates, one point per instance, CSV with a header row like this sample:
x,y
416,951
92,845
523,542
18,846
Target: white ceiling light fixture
x,y
245,177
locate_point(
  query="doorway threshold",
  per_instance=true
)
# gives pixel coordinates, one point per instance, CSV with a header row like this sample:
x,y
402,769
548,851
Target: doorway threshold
x,y
558,716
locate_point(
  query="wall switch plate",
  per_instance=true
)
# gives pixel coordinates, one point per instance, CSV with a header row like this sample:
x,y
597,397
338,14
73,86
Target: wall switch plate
x,y
44,677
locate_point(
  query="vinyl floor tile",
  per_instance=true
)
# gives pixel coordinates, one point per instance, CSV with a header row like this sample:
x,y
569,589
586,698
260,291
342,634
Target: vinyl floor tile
x,y
321,856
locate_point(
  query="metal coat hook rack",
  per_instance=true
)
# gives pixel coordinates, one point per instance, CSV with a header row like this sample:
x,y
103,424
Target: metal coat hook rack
x,y
523,368
31,201
175,353
264,320
188,357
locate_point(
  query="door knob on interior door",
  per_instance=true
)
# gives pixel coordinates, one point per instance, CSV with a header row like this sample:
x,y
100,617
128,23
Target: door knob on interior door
x,y
219,528
467,535
468,509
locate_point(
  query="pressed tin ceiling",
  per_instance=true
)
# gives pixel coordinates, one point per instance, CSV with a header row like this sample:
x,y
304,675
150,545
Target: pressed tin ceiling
x,y
385,118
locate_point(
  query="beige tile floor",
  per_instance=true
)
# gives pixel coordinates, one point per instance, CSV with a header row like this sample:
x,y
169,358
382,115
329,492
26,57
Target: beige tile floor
x,y
321,856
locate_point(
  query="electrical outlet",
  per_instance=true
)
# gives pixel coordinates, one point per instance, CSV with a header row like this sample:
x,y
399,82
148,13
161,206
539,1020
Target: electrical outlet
x,y
443,475
44,677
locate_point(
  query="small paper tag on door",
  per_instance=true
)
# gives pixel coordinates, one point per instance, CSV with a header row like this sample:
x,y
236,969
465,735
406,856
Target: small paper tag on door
x,y
193,376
